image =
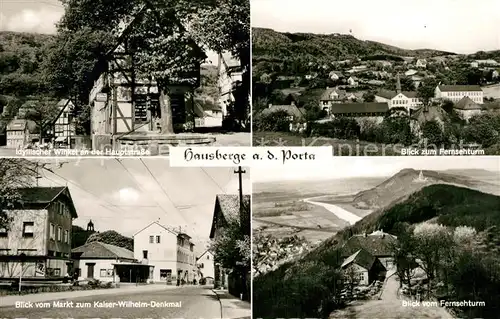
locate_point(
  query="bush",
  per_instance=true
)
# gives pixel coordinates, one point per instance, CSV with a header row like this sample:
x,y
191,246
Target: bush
x,y
341,128
278,121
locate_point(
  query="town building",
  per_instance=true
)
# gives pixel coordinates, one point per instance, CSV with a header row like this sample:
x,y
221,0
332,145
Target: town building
x,y
64,126
373,110
108,263
206,267
411,72
19,133
399,99
378,244
455,93
352,81
467,108
335,75
38,242
207,114
364,267
170,253
227,209
332,96
124,104
230,77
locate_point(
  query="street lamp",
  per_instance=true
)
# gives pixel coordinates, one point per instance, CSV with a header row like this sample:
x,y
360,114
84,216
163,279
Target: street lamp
x,y
22,258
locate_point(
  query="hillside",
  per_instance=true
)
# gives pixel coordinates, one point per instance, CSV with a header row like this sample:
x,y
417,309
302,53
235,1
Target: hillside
x,y
113,238
273,46
402,184
448,205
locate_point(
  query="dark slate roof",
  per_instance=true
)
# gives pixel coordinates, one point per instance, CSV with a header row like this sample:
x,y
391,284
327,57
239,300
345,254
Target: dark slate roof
x,y
377,245
97,249
467,104
433,113
229,206
410,94
361,258
460,88
44,196
17,125
386,94
343,108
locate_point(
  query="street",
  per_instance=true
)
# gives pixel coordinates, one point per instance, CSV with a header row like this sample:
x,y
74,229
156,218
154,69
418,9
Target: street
x,y
186,303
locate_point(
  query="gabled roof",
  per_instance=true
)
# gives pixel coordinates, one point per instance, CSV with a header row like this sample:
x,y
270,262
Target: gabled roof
x,y
153,223
292,110
17,125
373,107
460,88
378,245
44,196
63,105
227,207
326,95
206,252
467,104
97,249
386,94
361,258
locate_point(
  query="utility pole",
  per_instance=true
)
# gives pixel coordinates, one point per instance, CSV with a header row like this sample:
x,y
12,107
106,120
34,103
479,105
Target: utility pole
x,y
240,173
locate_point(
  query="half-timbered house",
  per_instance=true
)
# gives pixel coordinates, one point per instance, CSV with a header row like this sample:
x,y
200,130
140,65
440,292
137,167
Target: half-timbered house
x,y
123,103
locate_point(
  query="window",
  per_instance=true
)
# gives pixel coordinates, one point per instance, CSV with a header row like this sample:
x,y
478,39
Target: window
x,y
157,239
110,273
4,251
28,228
61,208
151,239
52,231
140,108
208,257
59,234
103,273
145,254
66,236
202,266
3,232
27,252
57,271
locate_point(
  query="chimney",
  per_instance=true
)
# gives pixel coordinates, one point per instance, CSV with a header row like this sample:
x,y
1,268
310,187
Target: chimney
x,y
398,84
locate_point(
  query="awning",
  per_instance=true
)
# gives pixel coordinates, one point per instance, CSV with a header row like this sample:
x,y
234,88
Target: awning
x,y
131,264
61,139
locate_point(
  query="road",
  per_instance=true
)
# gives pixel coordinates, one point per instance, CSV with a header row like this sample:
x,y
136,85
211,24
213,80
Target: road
x,y
338,211
195,303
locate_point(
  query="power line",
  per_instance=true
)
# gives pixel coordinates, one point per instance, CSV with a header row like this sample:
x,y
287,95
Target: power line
x,y
166,194
213,180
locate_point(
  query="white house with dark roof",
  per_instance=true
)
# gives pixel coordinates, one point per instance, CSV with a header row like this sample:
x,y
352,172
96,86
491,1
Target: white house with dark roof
x,y
467,108
39,235
455,93
364,267
19,133
378,244
105,262
206,266
64,126
421,63
170,253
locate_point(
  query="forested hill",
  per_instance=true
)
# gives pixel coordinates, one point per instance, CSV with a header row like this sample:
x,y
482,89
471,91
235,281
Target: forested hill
x,y
453,213
21,56
268,44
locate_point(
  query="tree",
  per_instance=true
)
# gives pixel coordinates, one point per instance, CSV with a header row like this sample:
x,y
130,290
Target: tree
x,y
404,255
43,112
425,91
432,131
112,237
14,173
169,50
369,97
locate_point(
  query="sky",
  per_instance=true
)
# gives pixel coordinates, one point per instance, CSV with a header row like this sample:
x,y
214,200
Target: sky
x,y
41,16
460,26
350,167
125,197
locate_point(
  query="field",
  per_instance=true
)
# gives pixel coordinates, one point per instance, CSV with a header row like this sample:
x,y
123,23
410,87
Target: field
x,y
340,147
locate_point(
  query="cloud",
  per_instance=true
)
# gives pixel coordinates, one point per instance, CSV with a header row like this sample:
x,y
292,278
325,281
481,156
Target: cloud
x,y
29,20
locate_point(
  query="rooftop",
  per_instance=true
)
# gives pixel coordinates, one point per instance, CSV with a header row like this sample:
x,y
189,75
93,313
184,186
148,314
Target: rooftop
x,y
44,196
361,258
344,108
467,104
101,250
377,244
460,88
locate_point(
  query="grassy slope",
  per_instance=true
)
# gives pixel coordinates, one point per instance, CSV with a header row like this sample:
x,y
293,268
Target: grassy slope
x,y
275,292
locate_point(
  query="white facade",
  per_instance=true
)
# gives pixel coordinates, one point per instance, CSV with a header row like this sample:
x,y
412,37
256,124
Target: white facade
x,y
64,128
98,269
408,103
206,265
170,254
229,74
455,96
359,272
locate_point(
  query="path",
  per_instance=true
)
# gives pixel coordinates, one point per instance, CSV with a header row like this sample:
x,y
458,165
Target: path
x,y
338,211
